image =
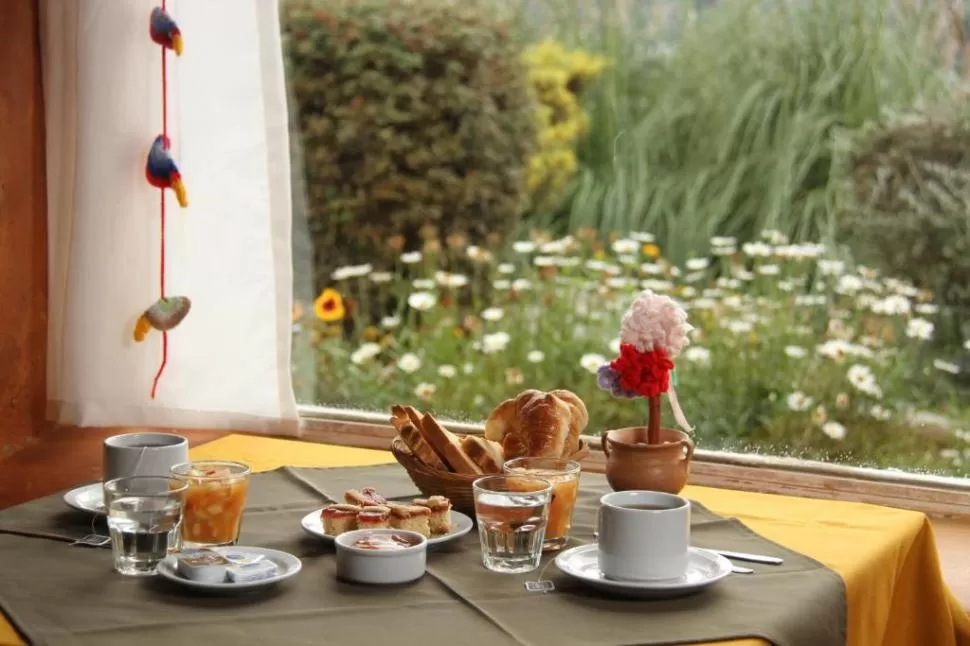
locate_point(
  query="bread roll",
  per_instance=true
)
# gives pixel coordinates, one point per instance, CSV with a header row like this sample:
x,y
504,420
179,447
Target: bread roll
x,y
485,453
538,424
578,420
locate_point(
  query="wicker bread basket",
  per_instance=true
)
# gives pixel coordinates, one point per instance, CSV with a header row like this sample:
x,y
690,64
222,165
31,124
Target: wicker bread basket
x,y
457,487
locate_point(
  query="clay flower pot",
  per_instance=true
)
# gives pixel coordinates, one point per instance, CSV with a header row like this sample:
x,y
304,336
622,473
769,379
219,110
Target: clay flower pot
x,y
632,465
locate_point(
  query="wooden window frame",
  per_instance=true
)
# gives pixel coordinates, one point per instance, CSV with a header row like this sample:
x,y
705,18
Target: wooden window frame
x,y
932,495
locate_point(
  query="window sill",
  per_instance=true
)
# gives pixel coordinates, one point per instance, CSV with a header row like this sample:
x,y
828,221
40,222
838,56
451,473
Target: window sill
x,y
932,495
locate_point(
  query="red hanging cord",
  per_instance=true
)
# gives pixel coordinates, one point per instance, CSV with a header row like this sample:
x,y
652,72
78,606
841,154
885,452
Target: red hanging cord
x,y
161,367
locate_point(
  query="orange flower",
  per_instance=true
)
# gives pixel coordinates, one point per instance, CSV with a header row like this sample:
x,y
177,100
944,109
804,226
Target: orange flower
x,y
651,250
329,306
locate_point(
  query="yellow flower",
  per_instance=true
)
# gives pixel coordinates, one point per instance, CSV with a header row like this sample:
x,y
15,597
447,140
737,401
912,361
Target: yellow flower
x,y
651,250
329,306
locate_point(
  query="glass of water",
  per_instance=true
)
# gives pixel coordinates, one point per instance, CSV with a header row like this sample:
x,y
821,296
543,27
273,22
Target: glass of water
x,y
511,513
144,515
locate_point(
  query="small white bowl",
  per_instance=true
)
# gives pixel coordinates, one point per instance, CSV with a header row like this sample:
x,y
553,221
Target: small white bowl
x,y
381,567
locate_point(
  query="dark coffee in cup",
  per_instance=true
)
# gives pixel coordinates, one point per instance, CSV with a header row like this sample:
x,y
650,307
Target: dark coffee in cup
x,y
647,507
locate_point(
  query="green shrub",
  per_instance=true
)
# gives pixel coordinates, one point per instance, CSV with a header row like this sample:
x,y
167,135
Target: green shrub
x,y
905,206
415,122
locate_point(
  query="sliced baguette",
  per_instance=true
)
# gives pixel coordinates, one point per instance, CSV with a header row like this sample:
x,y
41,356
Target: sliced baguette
x,y
420,448
487,455
447,446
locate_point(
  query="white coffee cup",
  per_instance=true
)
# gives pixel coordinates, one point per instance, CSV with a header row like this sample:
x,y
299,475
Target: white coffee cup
x,y
643,535
142,454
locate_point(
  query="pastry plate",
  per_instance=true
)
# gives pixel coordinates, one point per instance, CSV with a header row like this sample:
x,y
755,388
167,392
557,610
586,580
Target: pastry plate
x,y
704,568
460,525
89,498
287,565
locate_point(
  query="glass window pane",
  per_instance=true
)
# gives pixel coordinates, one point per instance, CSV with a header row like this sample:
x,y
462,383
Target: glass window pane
x,y
482,187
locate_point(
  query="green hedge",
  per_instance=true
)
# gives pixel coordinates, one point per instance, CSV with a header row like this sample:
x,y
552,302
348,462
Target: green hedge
x,y
415,122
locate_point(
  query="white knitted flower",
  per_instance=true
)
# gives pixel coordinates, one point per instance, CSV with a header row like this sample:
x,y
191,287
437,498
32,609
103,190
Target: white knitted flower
x,y
653,321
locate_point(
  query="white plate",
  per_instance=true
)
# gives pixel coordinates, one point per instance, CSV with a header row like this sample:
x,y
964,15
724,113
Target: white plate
x,y
460,525
704,568
286,566
89,498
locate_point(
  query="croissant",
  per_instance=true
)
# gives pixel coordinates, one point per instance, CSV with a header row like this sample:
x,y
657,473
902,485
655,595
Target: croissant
x,y
538,424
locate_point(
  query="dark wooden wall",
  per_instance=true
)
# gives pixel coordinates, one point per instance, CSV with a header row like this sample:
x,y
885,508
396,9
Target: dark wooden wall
x,y
23,229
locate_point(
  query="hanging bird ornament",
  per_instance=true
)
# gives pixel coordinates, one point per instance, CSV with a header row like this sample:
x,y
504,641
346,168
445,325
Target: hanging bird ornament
x,y
163,315
162,172
164,31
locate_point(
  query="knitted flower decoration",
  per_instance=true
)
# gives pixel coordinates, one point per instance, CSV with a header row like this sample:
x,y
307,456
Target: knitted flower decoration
x,y
653,332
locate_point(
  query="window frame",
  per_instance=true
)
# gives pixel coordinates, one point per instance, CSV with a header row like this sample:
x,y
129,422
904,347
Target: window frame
x,y
929,494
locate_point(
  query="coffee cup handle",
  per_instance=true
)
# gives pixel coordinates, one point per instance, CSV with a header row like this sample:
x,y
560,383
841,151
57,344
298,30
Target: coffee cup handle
x,y
605,444
688,444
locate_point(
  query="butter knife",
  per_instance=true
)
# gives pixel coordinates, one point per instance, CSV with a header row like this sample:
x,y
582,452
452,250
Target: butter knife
x,y
750,558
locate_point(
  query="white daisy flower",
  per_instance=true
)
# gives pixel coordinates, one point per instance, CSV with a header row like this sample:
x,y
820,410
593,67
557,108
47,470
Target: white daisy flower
x,y
769,270
523,246
409,363
799,401
592,362
411,257
502,284
627,259
447,371
625,246
849,284
493,314
390,322
758,249
544,261
351,271
651,268
521,285
834,430
927,309
880,413
919,328
422,301
468,368
831,267
697,264
796,351
445,279
536,356
506,268
723,241
697,354
492,343
422,283
365,353
425,390
946,366
381,277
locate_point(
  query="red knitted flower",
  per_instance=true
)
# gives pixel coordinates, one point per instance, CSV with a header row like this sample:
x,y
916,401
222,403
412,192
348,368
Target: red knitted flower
x,y
646,373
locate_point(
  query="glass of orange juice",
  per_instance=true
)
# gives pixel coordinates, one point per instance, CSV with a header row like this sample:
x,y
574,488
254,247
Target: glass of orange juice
x,y
564,476
214,501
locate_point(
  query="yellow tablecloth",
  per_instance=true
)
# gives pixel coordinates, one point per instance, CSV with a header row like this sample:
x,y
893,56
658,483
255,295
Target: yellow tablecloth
x,y
887,557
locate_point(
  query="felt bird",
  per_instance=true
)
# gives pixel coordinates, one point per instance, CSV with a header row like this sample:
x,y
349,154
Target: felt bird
x,y
162,172
163,315
164,31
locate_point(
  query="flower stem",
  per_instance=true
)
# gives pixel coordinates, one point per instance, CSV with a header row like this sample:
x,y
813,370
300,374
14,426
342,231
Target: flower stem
x,y
653,420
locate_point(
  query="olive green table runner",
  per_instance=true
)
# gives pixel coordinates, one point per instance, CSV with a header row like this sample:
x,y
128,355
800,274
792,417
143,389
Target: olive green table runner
x,y
55,593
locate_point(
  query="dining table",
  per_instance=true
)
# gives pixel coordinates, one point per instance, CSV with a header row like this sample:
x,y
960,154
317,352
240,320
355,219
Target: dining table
x,y
895,594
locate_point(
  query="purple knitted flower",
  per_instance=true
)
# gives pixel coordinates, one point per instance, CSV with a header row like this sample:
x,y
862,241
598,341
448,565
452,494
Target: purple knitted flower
x,y
609,379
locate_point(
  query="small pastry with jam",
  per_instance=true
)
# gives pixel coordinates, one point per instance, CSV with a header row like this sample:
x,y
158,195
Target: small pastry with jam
x,y
440,520
374,517
414,518
339,518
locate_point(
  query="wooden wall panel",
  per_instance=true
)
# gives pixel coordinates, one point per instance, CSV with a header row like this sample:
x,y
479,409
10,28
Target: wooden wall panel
x,y
23,229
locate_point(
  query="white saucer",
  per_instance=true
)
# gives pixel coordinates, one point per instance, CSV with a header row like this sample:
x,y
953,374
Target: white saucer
x,y
287,565
460,525
89,498
704,568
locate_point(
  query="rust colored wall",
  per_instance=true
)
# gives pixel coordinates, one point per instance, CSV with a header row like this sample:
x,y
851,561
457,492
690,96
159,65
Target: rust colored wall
x,y
23,230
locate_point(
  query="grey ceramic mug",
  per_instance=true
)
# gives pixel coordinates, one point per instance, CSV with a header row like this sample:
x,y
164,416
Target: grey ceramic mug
x,y
142,454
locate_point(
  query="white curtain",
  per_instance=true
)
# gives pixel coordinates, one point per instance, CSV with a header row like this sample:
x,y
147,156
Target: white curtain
x,y
229,251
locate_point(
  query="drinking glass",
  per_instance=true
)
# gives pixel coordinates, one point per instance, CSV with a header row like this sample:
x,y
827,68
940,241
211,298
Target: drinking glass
x,y
144,513
564,476
511,514
214,501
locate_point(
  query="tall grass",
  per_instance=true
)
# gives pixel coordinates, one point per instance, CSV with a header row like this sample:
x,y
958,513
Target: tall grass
x,y
721,122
